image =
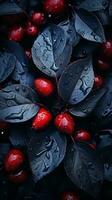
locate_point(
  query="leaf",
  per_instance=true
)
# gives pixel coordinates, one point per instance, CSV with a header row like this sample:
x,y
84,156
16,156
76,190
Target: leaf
x,y
46,150
89,27
84,168
16,107
84,108
103,111
23,91
103,16
104,145
108,171
21,75
18,135
47,49
76,81
93,5
7,65
84,48
21,72
69,28
16,49
10,7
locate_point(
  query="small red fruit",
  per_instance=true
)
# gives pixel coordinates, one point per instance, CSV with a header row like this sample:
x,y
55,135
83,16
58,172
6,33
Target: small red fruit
x,y
19,177
16,33
82,135
65,123
103,65
14,159
42,119
54,6
98,81
38,18
69,196
3,125
32,30
44,87
106,49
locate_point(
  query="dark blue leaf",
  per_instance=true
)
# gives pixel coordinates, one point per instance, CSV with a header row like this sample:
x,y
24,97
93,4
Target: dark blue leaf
x,y
93,5
47,49
84,108
46,150
84,168
7,65
76,81
89,27
16,104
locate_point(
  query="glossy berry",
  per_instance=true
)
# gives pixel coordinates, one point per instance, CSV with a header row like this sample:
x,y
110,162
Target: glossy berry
x,y
82,135
69,196
106,49
13,160
42,119
4,125
38,18
16,33
65,123
19,177
44,87
32,30
98,81
103,65
54,6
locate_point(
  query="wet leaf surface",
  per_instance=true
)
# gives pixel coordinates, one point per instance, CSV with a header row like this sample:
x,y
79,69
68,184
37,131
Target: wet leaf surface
x,y
7,63
84,168
76,81
48,154
93,5
89,27
47,49
15,107
85,108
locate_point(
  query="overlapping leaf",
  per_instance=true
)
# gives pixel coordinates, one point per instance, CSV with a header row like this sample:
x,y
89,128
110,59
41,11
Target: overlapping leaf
x,y
17,104
93,5
48,48
84,108
84,168
48,154
7,65
76,81
89,27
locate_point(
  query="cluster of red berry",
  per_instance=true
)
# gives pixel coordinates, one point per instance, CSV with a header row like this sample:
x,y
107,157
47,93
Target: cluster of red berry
x,y
64,122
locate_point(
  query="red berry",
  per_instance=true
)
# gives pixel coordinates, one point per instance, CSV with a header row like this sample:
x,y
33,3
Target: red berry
x,y
69,196
54,6
14,159
19,177
44,86
65,123
103,65
28,53
32,30
38,18
16,33
82,135
106,49
98,82
42,119
3,125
